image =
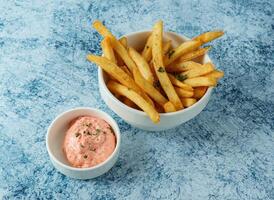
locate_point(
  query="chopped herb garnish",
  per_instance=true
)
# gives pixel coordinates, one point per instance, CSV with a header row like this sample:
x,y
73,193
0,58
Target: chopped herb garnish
x,y
77,134
88,133
161,69
181,77
98,130
85,156
110,128
170,53
82,146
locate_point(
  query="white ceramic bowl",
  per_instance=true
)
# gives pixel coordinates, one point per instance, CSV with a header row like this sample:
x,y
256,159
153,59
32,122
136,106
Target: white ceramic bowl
x,y
138,118
55,137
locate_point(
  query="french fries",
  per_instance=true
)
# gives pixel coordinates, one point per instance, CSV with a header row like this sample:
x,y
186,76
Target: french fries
x,y
116,72
184,48
178,83
160,79
194,54
147,51
183,66
199,92
187,102
169,107
201,81
136,98
183,93
208,36
199,71
142,65
157,54
123,41
107,49
148,88
215,74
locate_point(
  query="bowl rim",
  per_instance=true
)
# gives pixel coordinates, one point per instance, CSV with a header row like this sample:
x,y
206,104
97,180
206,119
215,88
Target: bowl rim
x,y
115,128
103,84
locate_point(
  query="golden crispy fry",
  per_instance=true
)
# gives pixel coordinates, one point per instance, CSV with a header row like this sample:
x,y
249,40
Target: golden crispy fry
x,y
122,52
120,61
178,83
121,76
182,49
166,47
215,74
169,107
102,29
157,54
208,36
107,49
136,98
183,66
194,54
123,41
199,92
199,71
123,67
148,88
201,81
183,93
142,65
188,101
147,51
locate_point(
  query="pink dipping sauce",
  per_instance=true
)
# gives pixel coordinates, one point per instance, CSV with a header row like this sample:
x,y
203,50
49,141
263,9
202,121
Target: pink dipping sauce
x,y
88,142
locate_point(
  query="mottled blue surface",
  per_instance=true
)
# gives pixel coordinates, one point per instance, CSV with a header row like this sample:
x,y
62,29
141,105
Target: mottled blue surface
x,y
227,152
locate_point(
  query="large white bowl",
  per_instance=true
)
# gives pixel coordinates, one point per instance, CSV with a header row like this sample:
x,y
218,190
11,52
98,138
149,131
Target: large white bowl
x,y
55,138
138,118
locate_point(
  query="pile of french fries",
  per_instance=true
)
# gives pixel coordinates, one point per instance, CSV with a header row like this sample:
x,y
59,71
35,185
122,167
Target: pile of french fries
x,y
160,78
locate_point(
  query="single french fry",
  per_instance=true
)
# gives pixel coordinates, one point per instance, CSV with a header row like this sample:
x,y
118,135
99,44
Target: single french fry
x,y
182,49
147,51
120,61
182,66
157,54
199,92
178,83
123,67
201,81
199,71
194,54
183,93
149,88
142,65
188,101
121,76
107,49
208,36
166,47
123,41
215,74
136,98
169,107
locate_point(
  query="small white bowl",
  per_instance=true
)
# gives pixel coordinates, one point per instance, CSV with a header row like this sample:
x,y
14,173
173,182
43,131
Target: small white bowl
x,y
138,118
55,137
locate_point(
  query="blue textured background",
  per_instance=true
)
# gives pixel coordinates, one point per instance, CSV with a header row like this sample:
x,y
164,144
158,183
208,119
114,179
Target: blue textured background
x,y
227,152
